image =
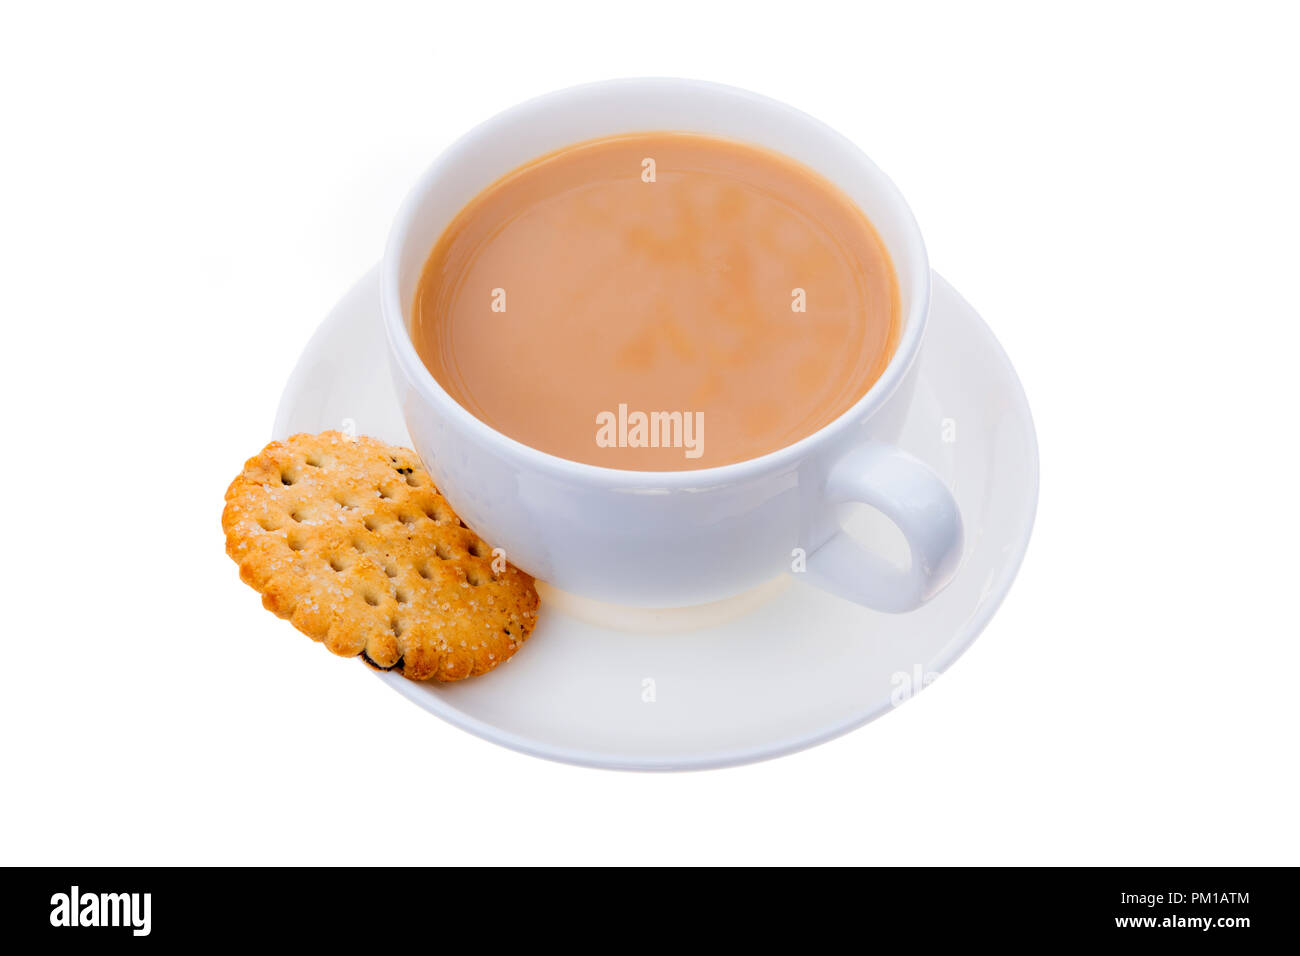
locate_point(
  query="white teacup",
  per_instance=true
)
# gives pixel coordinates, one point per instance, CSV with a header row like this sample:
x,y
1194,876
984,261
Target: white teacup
x,y
675,538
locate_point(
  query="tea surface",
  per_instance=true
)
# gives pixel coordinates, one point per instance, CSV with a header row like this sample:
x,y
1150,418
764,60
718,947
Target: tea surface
x,y
658,302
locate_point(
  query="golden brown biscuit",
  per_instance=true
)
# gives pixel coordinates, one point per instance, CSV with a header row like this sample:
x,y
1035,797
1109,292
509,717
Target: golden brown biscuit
x,y
350,540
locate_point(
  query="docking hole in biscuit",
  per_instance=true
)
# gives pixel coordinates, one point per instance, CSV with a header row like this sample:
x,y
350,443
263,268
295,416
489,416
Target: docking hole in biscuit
x,y
351,541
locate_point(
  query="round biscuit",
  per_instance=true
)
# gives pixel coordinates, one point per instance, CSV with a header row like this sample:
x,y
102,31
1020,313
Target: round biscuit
x,y
349,540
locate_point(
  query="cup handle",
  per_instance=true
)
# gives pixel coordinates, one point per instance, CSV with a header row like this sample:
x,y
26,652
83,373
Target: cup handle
x,y
915,499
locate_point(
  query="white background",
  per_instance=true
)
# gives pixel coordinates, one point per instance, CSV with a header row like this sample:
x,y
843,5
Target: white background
x,y
184,196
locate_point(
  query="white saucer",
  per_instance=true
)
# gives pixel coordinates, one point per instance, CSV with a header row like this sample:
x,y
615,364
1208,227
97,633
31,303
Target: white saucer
x,y
773,671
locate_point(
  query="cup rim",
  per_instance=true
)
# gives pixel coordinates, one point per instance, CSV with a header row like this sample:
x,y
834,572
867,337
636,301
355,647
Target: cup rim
x,y
431,390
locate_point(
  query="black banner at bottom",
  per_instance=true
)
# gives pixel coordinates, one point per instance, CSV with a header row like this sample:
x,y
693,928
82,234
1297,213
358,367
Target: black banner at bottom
x,y
1230,907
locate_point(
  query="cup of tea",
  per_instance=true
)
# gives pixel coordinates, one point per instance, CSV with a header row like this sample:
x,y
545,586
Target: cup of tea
x,y
650,335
